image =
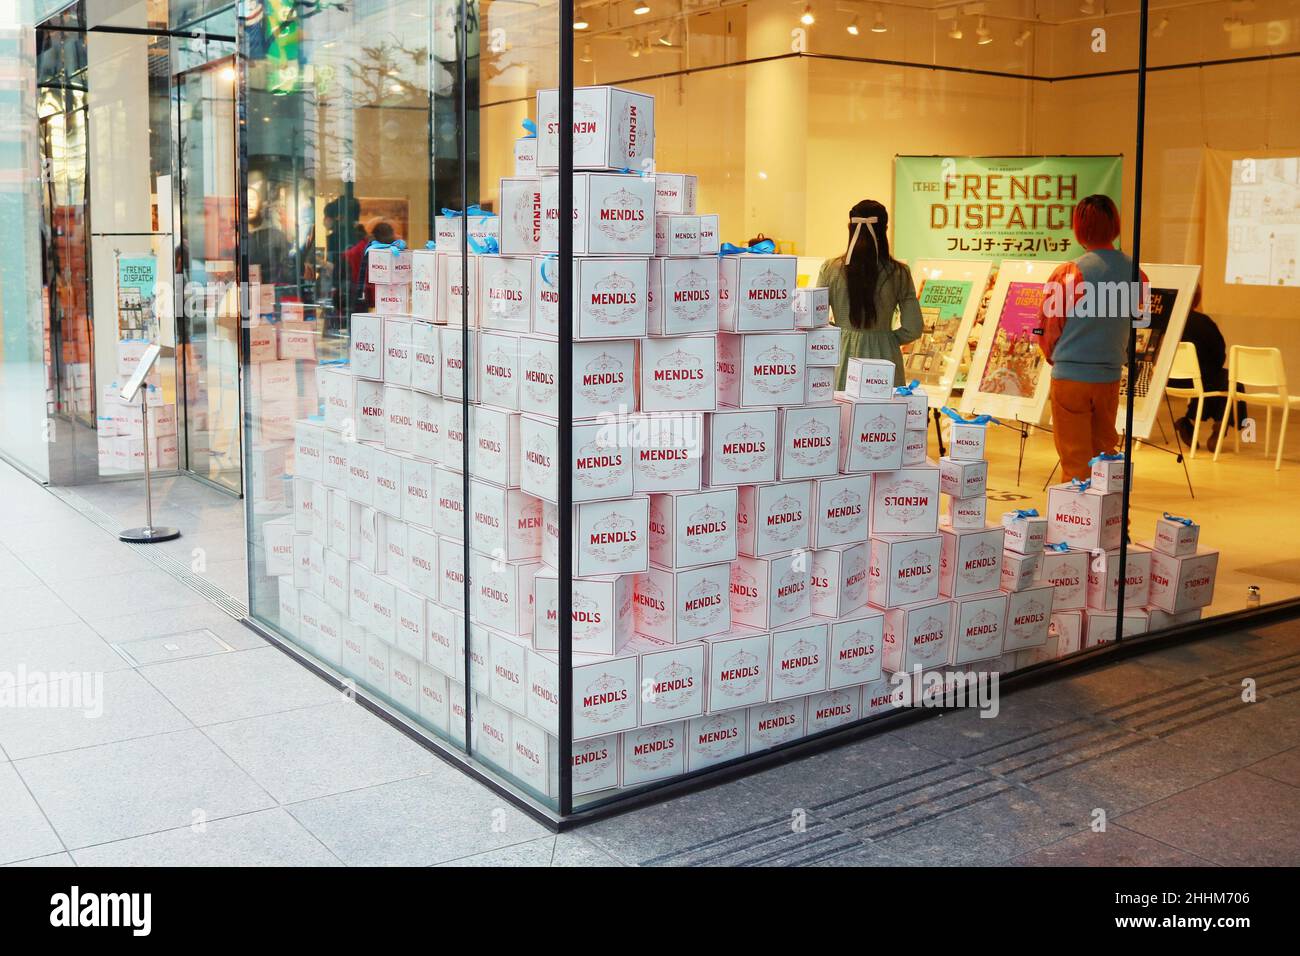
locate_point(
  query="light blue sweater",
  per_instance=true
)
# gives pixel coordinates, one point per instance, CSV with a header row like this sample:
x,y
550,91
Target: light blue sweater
x,y
1093,346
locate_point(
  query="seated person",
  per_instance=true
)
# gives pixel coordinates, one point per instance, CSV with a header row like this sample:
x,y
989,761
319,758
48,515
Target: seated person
x,y
1211,352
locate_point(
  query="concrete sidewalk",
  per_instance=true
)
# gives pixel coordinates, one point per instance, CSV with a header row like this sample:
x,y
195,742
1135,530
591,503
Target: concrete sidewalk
x,y
196,743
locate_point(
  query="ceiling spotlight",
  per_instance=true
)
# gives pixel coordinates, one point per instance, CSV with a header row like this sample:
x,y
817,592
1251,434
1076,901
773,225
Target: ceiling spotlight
x,y
1088,8
633,49
984,37
669,38
853,27
1233,23
1022,37
879,25
641,9
954,31
580,24
1161,27
586,53
808,19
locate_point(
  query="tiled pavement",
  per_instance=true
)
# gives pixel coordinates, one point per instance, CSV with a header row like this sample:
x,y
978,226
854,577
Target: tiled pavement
x,y
213,748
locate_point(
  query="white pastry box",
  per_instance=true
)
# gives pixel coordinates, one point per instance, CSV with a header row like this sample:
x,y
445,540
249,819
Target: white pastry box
x,y
904,569
667,452
366,345
715,739
613,215
871,436
774,724
740,447
738,672
834,708
916,449
611,537
426,358
611,301
1108,472
854,654
399,419
1099,626
679,374
334,385
369,418
773,519
1019,571
819,385
812,308
534,757
917,635
694,528
918,406
520,205
1176,536
538,368
392,300
386,466
1029,616
1066,628
603,612
495,445
424,284
683,296
966,513
971,560
810,442
839,579
979,621
686,605
869,379
677,235
596,764
490,732
458,287
526,156
1067,572
1025,530
1103,579
761,369
883,695
966,439
604,378
505,293
840,509
309,450
905,501
546,294
397,350
613,128
501,593
675,193
963,479
601,468
1159,619
449,493
654,753
605,693
421,562
452,348
1184,582
1084,518
768,593
756,292
504,522
672,680
798,662
484,228
451,572
497,369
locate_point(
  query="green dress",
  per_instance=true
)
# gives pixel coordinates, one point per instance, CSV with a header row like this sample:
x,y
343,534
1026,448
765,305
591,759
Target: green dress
x,y
895,296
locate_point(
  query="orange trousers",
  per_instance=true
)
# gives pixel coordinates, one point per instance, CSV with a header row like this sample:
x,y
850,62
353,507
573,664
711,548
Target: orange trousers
x,y
1083,423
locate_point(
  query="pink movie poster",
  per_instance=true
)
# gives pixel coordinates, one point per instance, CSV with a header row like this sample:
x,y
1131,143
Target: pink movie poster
x,y
1014,358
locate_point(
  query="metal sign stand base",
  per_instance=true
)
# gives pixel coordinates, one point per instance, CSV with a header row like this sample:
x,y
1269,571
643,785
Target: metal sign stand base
x,y
148,534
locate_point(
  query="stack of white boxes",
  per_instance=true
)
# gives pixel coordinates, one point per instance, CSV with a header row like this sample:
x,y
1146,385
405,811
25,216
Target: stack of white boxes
x,y
120,425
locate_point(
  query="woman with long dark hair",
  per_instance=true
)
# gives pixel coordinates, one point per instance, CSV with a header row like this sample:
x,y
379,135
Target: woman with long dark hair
x,y
868,287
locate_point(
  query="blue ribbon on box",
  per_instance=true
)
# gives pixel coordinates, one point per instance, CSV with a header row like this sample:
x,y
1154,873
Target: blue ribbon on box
x,y
529,127
1060,546
547,276
431,245
397,245
1026,512
977,420
1077,485
629,171
1178,518
764,248
488,247
909,388
1105,457
474,210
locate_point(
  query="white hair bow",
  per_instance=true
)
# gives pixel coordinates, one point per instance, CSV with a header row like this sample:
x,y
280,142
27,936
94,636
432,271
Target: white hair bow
x,y
858,222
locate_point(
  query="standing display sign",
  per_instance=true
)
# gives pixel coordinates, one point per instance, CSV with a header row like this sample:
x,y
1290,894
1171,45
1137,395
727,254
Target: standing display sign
x,y
995,207
1172,288
137,286
949,293
1009,377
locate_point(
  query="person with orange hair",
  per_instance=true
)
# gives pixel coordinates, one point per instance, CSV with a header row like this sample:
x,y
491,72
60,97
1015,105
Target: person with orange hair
x,y
1088,309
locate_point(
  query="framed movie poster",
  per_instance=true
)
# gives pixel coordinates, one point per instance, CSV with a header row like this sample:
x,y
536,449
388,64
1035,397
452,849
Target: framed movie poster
x,y
1009,377
949,292
1172,288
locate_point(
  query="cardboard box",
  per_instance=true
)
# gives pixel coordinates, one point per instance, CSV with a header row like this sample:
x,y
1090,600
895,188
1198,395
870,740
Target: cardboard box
x,y
822,347
798,661
538,361
426,358
758,370
1103,579
1067,572
1084,519
596,764
979,622
397,350
263,344
654,753
971,560
369,416
334,461
458,370
682,297
504,522
1108,473
392,300
905,501
854,654
681,606
783,722
449,493
412,625
810,442
458,290
679,374
604,378
966,440
904,569
1184,582
869,380
366,346
546,294
501,593
534,758
916,449
963,479
710,240
819,386
277,547
305,495
693,528
435,699
497,369
1176,536
672,681
756,292
334,385
490,733
309,450
741,447
917,635
604,694
1099,626
839,579
667,452
812,308
738,663
424,284
508,680
526,156
768,593
392,542
600,470
453,434
1025,533
918,406
773,519
422,562
602,609
375,674
440,652
613,215
834,708
611,537
505,293
716,739
386,467
840,508
677,235
495,449
391,266
613,128
520,204
399,419
965,513
1019,571
1029,615
451,573
1159,619
612,297
675,193
450,233
871,436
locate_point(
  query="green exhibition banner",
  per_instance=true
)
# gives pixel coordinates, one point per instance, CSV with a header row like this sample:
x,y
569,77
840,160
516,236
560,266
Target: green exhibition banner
x,y
995,207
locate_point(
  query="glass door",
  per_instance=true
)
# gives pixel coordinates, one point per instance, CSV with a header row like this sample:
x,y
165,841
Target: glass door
x,y
207,257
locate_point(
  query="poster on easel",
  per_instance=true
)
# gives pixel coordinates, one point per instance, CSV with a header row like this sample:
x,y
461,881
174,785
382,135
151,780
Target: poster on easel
x,y
949,293
1009,377
1172,290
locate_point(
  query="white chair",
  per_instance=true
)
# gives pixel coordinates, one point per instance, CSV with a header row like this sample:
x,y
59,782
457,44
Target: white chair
x,y
1187,366
1260,369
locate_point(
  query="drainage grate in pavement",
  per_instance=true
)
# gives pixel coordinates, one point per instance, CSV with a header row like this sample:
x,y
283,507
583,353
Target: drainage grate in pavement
x,y
774,843
172,647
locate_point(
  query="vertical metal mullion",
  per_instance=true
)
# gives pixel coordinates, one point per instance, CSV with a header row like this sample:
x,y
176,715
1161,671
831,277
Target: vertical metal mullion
x,y
462,157
241,206
1138,154
564,573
